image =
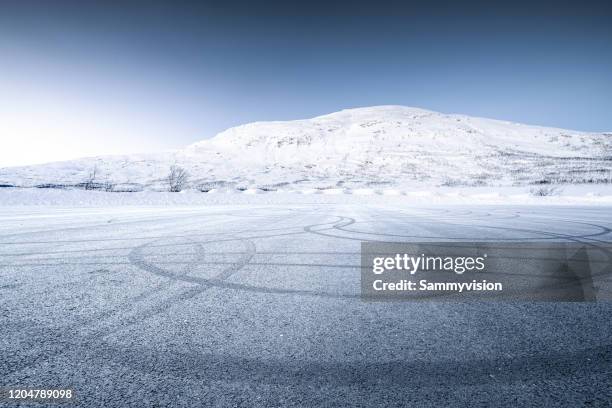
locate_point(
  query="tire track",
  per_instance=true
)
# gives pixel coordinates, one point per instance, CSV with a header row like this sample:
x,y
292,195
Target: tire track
x,y
137,259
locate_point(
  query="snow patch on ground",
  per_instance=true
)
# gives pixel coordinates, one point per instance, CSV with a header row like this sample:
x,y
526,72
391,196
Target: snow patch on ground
x,y
569,195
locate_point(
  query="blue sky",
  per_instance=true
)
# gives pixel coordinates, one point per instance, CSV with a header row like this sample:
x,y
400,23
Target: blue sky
x,y
86,78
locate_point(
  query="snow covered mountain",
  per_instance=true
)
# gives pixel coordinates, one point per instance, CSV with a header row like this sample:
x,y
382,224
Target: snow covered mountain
x,y
375,147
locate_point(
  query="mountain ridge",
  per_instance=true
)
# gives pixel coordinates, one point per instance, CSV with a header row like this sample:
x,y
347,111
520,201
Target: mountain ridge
x,y
388,145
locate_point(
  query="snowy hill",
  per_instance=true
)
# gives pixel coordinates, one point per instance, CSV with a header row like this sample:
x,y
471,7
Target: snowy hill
x,y
376,147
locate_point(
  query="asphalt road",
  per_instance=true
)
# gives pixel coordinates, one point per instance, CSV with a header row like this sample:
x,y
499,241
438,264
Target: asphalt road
x,y
259,306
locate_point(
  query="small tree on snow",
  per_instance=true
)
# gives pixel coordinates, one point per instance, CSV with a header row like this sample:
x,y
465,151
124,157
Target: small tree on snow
x,y
177,178
91,178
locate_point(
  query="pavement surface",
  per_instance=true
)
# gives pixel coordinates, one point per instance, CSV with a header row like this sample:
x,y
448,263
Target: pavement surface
x,y
259,306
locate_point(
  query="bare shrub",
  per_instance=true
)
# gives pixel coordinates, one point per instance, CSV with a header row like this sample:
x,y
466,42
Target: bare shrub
x,y
206,186
177,178
544,191
109,186
90,181
451,183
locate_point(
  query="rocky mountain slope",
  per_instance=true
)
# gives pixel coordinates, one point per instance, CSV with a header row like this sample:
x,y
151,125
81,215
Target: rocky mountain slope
x,y
375,147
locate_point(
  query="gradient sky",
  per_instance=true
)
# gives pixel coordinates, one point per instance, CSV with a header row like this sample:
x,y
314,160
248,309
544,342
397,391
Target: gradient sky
x,y
86,78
